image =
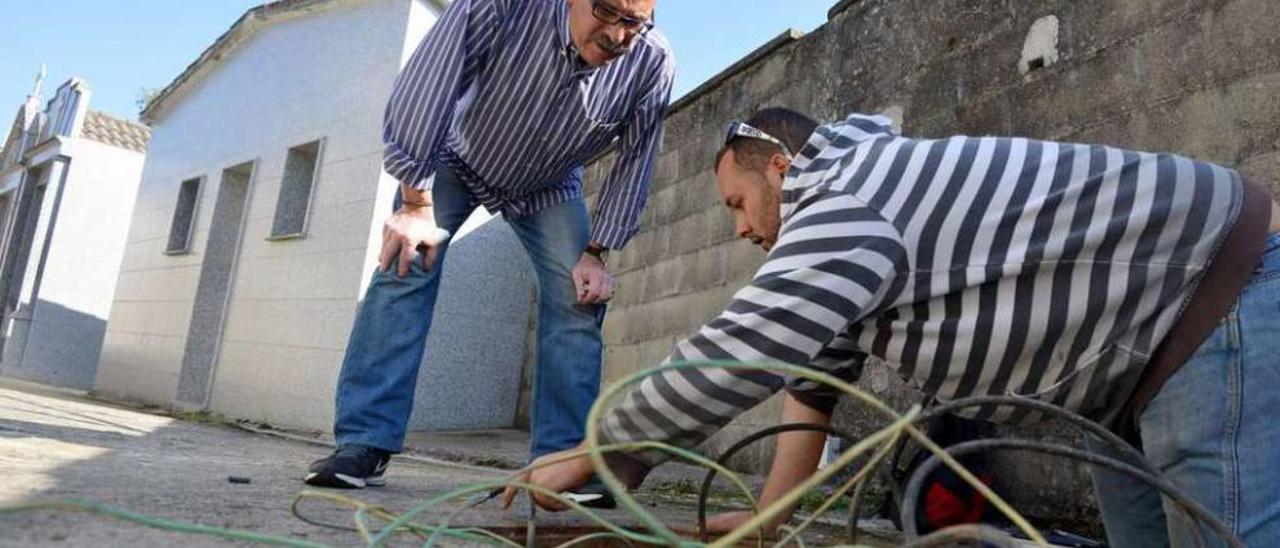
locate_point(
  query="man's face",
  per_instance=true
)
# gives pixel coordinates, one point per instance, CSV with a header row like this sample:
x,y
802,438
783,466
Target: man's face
x,y
597,41
754,197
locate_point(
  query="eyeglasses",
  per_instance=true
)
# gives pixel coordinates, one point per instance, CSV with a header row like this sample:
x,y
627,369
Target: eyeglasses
x,y
742,129
610,15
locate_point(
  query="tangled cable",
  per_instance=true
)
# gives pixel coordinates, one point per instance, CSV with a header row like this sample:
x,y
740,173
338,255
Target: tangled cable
x,y
876,447
1133,465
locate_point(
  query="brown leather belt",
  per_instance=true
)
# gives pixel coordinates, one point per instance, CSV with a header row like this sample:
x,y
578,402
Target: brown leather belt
x,y
1217,291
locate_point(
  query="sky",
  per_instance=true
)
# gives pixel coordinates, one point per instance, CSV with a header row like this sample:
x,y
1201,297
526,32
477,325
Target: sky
x,y
122,47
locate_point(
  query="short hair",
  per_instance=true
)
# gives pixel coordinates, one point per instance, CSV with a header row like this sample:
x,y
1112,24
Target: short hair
x,y
786,125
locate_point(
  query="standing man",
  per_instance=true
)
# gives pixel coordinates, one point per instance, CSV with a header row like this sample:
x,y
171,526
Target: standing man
x,y
499,107
1139,289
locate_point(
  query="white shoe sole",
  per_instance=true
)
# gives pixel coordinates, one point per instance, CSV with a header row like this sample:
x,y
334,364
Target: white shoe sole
x,y
348,481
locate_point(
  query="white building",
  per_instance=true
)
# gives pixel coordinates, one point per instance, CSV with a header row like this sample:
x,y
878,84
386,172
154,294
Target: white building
x,y
258,224
68,179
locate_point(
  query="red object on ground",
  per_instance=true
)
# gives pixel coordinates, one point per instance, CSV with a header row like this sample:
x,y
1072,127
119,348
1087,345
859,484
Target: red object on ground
x,y
944,508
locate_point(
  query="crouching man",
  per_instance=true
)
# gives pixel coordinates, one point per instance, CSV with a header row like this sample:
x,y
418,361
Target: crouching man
x,y
1142,290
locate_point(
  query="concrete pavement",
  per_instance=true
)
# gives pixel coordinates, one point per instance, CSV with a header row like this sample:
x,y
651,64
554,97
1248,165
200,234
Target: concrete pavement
x,y
58,446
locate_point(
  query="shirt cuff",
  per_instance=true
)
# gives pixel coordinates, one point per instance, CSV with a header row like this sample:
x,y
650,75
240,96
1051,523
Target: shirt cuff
x,y
404,168
630,470
822,403
611,236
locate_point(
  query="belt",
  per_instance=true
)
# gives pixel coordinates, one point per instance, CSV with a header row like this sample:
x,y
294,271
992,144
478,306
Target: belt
x,y
1217,291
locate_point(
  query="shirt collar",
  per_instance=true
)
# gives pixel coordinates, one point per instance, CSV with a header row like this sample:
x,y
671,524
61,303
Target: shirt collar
x,y
567,46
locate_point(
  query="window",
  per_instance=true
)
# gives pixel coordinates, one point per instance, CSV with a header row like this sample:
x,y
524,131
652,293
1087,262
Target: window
x,y
301,166
184,217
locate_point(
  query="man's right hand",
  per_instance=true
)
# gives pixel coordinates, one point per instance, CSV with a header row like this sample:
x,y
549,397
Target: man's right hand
x,y
721,524
408,228
567,473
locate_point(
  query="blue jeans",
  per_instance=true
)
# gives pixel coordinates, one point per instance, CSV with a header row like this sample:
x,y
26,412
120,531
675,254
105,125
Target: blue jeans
x,y
1214,431
380,369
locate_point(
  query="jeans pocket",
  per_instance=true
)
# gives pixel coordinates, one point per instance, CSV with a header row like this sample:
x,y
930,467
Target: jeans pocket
x,y
1269,265
1273,244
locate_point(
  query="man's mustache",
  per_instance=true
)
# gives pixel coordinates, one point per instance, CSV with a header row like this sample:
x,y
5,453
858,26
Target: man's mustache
x,y
609,45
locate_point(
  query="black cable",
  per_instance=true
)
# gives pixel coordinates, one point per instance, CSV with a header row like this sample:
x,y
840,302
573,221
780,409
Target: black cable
x,y
912,492
983,535
895,481
855,507
1106,435
1133,464
705,491
296,509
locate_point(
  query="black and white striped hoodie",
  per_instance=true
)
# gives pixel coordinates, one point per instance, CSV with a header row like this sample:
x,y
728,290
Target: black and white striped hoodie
x,y
971,265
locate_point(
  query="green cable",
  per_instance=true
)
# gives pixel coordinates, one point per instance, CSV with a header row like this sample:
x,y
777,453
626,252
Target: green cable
x,y
660,533
511,480
619,490
158,523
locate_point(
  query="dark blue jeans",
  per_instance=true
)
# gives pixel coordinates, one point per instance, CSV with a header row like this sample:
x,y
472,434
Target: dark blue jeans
x,y
379,373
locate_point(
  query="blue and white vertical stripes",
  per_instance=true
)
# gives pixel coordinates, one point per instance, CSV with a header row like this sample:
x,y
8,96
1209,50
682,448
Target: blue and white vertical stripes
x,y
498,90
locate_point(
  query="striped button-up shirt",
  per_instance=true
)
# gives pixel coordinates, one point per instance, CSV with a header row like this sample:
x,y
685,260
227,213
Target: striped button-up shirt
x,y
498,91
973,266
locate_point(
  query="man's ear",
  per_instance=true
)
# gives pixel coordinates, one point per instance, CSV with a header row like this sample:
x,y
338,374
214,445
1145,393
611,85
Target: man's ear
x,y
780,162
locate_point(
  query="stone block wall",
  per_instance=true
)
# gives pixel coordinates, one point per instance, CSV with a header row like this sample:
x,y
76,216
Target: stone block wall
x,y
1198,77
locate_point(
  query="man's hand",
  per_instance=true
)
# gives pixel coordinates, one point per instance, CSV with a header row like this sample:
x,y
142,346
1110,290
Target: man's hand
x,y
795,459
720,524
592,281
559,477
407,229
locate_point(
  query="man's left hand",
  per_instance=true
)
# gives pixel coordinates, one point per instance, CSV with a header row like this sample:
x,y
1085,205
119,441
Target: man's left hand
x,y
591,280
558,478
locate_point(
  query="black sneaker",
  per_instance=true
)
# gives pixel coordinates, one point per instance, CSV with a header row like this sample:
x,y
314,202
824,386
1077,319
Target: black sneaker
x,y
350,467
593,494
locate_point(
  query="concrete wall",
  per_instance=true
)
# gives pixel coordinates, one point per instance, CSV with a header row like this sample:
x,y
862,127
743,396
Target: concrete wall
x,y
479,343
66,322
323,76
1192,76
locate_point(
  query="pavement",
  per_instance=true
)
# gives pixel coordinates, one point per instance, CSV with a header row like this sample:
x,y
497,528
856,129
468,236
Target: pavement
x,y
58,445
